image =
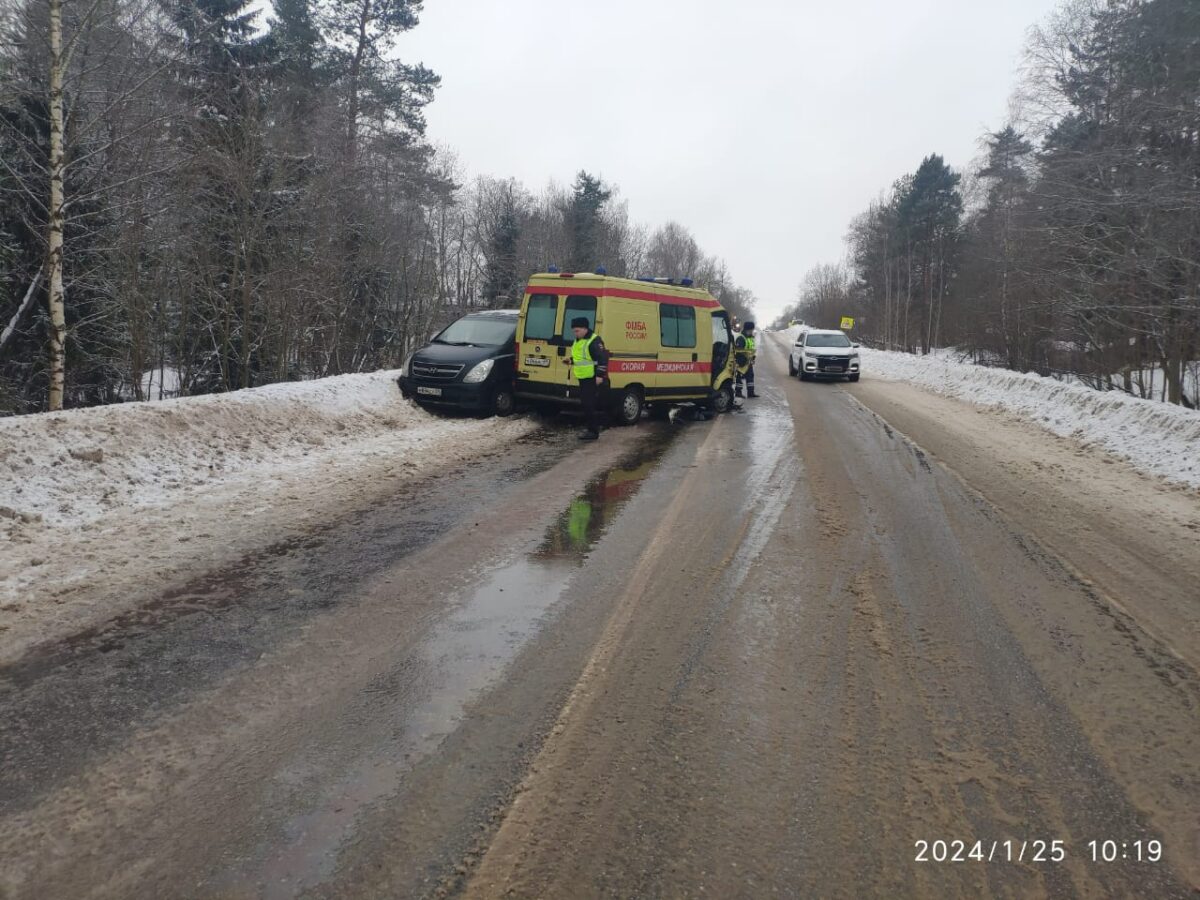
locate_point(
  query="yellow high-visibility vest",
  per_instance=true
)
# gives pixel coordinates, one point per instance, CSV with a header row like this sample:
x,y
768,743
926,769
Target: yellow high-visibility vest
x,y
582,363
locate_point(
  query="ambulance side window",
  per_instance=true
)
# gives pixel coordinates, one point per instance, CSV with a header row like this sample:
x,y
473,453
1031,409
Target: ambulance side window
x,y
540,316
678,325
578,306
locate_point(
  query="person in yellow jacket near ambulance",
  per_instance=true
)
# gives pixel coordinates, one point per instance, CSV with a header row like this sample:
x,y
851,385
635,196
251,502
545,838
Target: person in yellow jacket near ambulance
x,y
589,364
744,347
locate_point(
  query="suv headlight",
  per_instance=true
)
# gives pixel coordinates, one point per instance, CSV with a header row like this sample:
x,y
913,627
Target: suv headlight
x,y
479,372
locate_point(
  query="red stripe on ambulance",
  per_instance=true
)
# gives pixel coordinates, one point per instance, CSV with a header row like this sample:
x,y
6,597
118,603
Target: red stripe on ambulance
x,y
664,368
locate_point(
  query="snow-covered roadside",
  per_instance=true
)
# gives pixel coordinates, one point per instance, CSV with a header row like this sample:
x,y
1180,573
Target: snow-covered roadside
x,y
100,504
71,468
1156,438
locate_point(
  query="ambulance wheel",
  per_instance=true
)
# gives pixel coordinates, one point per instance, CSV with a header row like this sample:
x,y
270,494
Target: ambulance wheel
x,y
627,408
791,366
723,401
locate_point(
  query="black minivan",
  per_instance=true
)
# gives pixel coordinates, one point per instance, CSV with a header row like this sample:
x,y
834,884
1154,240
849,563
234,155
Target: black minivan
x,y
469,364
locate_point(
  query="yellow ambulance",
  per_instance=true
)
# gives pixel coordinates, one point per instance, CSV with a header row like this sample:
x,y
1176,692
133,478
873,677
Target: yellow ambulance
x,y
668,342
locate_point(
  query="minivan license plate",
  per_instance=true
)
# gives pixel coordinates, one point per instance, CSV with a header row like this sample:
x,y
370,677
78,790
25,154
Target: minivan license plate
x,y
430,392
542,361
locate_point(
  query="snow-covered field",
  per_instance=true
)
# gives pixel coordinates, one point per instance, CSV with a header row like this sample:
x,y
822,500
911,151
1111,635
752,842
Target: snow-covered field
x,y
109,499
1156,438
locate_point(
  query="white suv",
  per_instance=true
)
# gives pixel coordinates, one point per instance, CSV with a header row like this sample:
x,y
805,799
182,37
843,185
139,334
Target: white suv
x,y
824,353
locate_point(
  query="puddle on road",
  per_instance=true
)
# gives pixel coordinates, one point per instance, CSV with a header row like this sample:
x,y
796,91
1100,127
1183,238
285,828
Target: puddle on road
x,y
465,653
586,518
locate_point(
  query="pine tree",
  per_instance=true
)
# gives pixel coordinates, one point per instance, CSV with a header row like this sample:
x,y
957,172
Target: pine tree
x,y
929,213
588,197
503,282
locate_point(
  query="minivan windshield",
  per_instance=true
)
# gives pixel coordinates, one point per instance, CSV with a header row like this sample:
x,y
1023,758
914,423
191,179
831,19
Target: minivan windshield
x,y
479,331
827,340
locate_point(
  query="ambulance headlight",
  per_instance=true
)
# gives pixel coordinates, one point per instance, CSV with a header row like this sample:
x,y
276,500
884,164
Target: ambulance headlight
x,y
479,372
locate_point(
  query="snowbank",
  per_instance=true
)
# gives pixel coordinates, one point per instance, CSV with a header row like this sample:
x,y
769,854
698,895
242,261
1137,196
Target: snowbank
x,y
1156,438
71,468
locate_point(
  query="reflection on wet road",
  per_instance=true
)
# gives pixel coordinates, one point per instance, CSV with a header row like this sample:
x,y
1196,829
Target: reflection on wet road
x,y
463,654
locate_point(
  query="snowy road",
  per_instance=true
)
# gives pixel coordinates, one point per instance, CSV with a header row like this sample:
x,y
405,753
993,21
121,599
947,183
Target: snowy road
x,y
766,655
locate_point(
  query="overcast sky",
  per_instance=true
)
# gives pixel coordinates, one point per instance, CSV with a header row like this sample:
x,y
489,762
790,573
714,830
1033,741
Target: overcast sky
x,y
761,125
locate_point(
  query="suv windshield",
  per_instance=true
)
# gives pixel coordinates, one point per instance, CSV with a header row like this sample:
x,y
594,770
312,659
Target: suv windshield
x,y
827,340
481,331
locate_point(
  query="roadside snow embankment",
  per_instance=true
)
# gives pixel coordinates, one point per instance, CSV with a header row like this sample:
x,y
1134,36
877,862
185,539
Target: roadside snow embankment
x,y
100,507
1155,438
74,467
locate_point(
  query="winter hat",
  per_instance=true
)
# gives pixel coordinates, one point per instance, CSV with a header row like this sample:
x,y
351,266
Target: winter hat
x,y
580,322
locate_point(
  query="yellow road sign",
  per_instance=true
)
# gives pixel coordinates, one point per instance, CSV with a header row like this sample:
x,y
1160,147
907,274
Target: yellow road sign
x,y
847,323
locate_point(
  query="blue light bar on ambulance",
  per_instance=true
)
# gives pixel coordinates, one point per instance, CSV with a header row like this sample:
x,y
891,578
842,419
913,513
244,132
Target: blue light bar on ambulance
x,y
600,270
686,282
553,270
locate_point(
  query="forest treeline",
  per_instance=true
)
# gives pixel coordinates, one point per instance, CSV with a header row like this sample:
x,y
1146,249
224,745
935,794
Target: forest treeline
x,y
189,194
1072,248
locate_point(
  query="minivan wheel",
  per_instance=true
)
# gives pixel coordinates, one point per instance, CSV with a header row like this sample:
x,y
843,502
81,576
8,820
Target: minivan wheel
x,y
723,401
628,407
504,402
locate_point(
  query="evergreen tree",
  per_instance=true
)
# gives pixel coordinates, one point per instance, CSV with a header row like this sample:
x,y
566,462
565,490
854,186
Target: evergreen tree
x,y
502,283
929,213
588,197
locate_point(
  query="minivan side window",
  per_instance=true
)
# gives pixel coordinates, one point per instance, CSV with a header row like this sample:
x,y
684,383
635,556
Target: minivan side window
x,y
539,317
578,306
678,325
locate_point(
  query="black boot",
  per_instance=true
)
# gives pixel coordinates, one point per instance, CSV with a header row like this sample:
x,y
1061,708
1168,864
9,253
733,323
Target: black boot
x,y
750,395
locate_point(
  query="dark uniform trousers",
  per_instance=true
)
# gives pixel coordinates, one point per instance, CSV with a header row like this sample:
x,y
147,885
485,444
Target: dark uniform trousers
x,y
589,396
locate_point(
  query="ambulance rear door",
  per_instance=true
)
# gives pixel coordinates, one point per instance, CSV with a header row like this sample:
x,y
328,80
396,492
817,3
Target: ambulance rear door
x,y
542,355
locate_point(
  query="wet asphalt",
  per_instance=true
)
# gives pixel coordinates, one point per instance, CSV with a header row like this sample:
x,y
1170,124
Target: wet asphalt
x,y
751,656
67,702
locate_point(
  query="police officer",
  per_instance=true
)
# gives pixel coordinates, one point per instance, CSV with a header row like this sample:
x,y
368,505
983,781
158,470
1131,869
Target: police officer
x,y
743,356
589,363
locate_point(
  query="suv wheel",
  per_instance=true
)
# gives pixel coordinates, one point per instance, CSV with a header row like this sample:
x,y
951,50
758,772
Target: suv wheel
x,y
791,366
503,403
